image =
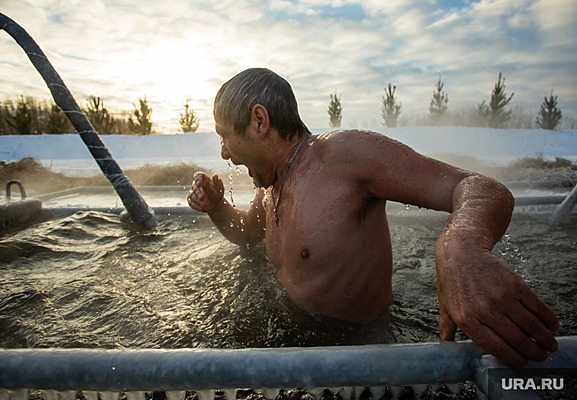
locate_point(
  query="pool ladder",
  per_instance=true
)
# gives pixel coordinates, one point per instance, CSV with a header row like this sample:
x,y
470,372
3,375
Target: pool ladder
x,y
18,212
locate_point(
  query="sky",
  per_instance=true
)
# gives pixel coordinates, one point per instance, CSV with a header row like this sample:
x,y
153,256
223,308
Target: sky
x,y
172,51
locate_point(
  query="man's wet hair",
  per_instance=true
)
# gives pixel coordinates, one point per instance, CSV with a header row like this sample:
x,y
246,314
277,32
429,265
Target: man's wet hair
x,y
236,98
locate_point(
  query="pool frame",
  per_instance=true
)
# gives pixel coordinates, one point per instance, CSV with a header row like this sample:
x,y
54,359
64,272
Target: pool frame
x,y
139,370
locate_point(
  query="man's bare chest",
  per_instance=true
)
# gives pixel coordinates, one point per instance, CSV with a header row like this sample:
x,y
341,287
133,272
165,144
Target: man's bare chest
x,y
314,226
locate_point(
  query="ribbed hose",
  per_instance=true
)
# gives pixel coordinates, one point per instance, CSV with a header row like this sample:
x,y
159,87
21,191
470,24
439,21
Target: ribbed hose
x,y
135,205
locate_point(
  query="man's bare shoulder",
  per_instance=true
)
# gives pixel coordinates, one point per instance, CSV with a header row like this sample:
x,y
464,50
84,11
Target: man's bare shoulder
x,y
388,169
346,146
346,135
349,138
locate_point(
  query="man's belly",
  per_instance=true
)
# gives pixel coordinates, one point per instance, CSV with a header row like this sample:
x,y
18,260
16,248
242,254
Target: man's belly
x,y
330,258
341,282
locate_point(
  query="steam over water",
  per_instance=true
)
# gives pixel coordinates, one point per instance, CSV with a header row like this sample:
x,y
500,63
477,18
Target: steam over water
x,y
88,280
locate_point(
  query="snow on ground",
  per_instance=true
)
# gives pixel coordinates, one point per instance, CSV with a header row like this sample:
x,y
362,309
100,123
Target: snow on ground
x,y
67,153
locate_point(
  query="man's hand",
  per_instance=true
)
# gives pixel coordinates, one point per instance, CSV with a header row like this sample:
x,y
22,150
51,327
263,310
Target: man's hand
x,y
206,193
492,305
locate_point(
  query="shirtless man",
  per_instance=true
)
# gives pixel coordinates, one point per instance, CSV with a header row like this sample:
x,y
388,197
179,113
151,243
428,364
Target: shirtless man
x,y
320,208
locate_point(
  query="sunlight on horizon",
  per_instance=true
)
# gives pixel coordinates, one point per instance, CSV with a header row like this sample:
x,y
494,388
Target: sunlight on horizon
x,y
170,74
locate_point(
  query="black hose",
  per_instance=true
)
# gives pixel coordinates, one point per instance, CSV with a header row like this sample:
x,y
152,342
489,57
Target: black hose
x,y
140,213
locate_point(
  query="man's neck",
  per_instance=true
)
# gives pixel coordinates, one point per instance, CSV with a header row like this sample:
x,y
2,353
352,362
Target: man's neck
x,y
287,153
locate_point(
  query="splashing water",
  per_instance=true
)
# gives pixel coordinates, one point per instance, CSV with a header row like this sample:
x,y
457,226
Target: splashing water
x,y
511,251
231,169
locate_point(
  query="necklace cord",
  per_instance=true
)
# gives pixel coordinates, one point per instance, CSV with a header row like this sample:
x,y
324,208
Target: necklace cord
x,y
290,161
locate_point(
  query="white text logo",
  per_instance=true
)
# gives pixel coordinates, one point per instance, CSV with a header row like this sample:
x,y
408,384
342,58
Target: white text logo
x,y
531,384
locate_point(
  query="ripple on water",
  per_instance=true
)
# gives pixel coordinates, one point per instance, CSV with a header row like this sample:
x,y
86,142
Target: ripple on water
x,y
88,280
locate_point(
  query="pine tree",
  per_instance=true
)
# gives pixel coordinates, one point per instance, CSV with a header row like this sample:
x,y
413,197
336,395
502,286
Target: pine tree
x,y
5,128
99,116
188,121
494,113
22,118
335,111
549,115
439,103
122,126
139,122
57,121
390,110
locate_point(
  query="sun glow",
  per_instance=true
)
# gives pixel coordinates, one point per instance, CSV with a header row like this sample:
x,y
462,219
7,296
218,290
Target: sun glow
x,y
169,74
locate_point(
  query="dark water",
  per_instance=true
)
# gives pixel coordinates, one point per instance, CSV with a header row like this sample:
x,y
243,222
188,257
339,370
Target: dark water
x,y
88,280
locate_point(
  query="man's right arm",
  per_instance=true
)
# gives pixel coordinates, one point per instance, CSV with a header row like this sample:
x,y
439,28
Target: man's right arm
x,y
242,227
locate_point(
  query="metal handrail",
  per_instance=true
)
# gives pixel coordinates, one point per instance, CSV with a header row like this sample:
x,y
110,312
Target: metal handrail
x,y
204,369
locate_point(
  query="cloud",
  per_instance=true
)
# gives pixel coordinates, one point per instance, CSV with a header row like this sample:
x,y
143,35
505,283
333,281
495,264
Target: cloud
x,y
175,50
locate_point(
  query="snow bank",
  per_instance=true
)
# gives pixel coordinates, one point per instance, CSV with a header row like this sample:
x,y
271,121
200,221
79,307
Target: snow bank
x,y
496,145
68,152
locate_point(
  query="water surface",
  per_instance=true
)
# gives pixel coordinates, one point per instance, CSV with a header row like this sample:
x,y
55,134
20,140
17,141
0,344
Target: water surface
x,y
89,280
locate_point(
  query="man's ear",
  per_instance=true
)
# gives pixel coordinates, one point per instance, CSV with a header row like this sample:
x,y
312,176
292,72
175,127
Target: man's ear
x,y
260,119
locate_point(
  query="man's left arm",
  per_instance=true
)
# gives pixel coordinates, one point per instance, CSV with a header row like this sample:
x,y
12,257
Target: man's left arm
x,y
477,290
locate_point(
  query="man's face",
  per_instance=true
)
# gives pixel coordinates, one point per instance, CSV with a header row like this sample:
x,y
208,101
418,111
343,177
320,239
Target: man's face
x,y
240,150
